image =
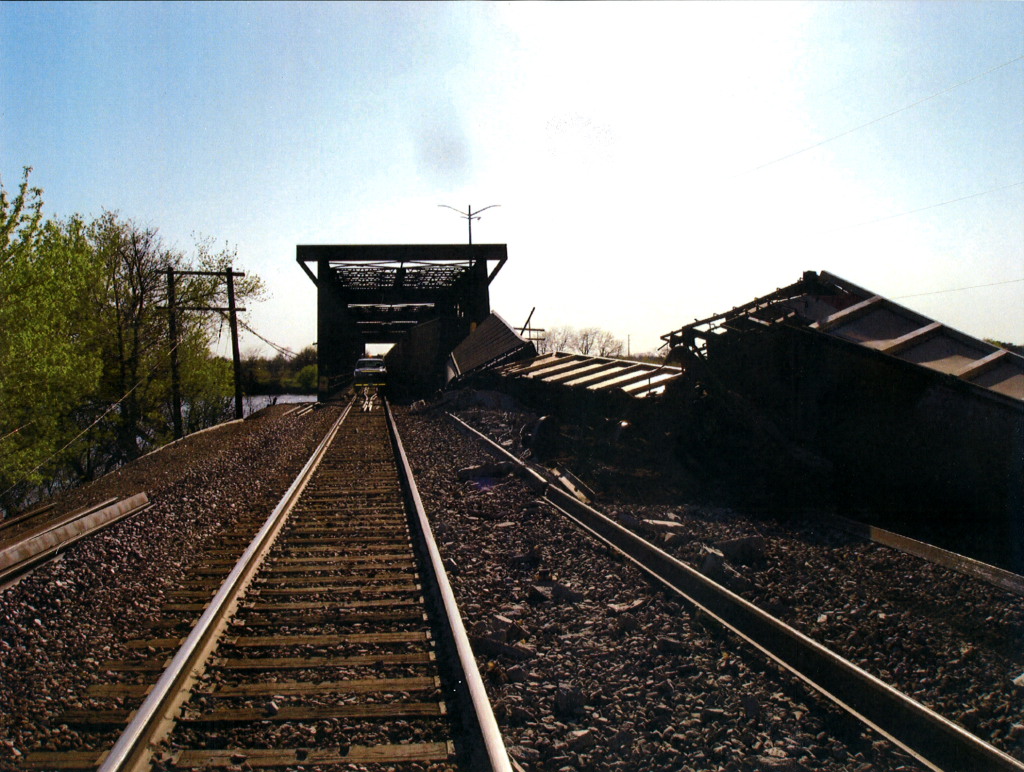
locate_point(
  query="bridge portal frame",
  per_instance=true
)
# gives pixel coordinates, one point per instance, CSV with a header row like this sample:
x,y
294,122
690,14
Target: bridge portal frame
x,y
379,293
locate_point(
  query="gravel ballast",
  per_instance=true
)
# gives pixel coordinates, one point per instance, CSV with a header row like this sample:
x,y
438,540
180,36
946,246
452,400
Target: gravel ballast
x,y
954,643
62,621
588,665
591,668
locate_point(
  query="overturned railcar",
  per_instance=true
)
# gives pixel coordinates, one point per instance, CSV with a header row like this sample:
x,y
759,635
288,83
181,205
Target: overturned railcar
x,y
910,419
492,344
580,388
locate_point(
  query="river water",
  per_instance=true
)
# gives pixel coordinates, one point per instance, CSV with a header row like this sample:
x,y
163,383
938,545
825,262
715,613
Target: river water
x,y
259,401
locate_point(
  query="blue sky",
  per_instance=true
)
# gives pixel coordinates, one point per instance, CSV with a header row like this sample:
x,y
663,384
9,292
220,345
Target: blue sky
x,y
634,148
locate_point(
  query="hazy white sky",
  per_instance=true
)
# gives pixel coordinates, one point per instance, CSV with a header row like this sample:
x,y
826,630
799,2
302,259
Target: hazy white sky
x,y
641,153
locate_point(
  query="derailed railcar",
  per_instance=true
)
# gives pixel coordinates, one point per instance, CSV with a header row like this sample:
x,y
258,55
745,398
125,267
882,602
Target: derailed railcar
x,y
413,362
892,411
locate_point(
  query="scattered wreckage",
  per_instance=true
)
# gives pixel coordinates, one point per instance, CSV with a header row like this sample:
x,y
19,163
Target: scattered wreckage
x,y
822,392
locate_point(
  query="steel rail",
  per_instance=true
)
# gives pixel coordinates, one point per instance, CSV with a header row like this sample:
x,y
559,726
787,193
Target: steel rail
x,y
27,532
929,737
485,725
7,522
976,569
21,555
156,715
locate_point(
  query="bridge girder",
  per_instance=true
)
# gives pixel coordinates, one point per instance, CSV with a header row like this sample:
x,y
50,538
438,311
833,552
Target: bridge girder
x,y
380,293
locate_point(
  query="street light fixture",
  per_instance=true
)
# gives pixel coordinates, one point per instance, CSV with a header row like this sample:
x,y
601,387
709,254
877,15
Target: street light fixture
x,y
469,215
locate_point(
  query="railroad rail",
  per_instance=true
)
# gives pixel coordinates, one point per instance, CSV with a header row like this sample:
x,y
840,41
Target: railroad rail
x,y
32,539
976,569
932,739
7,525
333,640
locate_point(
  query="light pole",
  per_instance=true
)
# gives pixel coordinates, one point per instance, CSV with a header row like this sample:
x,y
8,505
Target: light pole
x,y
469,215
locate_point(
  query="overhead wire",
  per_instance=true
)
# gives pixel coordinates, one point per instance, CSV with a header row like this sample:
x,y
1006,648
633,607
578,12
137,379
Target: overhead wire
x,y
15,431
883,117
890,114
283,350
924,208
280,349
78,436
959,289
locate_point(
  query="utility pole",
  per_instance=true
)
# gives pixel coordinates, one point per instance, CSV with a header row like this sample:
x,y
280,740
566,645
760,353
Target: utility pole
x,y
235,358
469,215
172,322
526,324
531,333
231,311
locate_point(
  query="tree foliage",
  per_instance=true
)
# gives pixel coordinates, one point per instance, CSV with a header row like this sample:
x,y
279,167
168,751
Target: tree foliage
x,y
280,374
307,378
48,359
136,352
20,218
84,353
1015,348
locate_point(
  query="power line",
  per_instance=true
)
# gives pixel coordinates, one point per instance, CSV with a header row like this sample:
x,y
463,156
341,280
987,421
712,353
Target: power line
x,y
925,208
275,346
283,350
84,431
278,348
15,431
958,289
887,115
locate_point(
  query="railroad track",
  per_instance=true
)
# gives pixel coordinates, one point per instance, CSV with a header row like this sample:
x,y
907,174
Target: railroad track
x,y
332,641
933,740
10,527
34,538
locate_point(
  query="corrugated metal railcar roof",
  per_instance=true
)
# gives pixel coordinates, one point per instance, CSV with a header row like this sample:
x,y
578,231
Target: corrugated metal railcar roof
x,y
883,325
637,379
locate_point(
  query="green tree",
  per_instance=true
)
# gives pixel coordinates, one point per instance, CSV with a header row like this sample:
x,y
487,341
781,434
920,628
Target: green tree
x,y
20,220
48,366
208,384
84,354
305,357
136,354
279,374
307,378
